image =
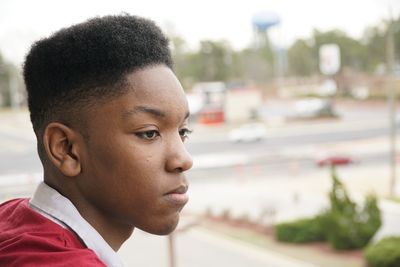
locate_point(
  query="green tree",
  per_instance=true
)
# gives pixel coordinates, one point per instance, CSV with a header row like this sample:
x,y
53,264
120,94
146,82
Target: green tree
x,y
303,55
5,71
215,60
10,77
183,63
375,40
349,226
353,53
301,59
253,66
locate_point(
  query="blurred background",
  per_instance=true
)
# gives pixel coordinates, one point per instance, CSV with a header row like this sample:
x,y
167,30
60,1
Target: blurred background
x,y
279,92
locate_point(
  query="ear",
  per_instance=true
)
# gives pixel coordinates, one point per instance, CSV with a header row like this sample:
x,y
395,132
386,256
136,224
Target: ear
x,y
62,148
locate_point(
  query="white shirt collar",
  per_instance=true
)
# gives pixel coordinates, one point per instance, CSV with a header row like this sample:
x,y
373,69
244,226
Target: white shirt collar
x,y
59,209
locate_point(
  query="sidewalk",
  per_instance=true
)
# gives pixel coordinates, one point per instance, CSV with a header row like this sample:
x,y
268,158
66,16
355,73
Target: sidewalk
x,y
199,247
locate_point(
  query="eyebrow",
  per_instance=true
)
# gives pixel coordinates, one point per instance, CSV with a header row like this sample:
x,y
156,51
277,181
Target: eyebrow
x,y
149,110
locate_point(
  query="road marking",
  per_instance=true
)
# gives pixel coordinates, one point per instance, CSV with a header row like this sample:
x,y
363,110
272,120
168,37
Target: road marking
x,y
217,160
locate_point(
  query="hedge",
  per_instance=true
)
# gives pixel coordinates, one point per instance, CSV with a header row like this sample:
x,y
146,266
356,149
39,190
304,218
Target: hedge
x,y
300,231
385,253
344,225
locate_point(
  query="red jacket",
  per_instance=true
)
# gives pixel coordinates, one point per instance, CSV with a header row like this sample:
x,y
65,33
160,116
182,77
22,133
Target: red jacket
x,y
29,239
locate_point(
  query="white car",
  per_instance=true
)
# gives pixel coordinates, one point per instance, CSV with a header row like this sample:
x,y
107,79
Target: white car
x,y
248,133
313,107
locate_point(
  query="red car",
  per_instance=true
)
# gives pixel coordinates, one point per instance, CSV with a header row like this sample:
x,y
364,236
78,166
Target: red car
x,y
335,160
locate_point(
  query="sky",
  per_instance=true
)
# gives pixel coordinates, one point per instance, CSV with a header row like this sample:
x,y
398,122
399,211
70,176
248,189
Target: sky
x,y
24,21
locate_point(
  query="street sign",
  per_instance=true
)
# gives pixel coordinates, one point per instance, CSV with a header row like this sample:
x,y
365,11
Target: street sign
x,y
329,59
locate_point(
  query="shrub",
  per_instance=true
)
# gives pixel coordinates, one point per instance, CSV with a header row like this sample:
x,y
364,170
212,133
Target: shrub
x,y
385,253
300,231
343,225
346,226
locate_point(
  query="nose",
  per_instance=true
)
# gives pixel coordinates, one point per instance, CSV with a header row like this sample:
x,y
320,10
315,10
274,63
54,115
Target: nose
x,y
178,158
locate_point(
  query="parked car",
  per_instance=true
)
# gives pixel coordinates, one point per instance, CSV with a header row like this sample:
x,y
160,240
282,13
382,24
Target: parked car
x,y
313,108
248,133
335,160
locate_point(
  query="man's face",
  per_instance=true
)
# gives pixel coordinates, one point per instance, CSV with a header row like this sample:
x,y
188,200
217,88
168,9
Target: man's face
x,y
132,169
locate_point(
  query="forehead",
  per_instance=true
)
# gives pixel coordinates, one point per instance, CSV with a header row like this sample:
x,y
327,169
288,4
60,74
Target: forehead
x,y
155,83
153,87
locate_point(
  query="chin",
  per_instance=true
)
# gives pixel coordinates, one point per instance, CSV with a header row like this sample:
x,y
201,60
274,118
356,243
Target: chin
x,y
165,228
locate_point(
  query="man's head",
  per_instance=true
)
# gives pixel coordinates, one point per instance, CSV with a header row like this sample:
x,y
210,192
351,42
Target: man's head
x,y
111,117
87,63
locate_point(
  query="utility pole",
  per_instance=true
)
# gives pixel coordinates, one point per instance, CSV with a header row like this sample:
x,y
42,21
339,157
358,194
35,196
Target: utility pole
x,y
392,105
13,93
171,250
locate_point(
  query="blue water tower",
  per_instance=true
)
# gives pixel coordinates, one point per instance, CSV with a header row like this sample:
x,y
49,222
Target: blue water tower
x,y
263,20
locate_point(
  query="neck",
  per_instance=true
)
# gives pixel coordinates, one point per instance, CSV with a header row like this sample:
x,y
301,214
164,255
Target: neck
x,y
113,231
115,234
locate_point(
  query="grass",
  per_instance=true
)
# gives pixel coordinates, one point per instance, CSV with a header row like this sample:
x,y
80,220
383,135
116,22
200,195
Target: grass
x,y
394,199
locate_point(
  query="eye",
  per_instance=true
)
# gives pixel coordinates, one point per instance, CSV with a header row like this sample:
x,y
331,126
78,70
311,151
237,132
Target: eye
x,y
148,135
184,133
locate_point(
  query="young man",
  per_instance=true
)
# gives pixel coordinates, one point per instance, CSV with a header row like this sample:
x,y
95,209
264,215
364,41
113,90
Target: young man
x,y
111,119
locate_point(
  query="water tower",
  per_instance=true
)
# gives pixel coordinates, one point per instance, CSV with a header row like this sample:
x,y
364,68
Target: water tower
x,y
262,22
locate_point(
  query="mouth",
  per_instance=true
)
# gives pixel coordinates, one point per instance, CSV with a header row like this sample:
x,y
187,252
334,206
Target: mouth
x,y
178,195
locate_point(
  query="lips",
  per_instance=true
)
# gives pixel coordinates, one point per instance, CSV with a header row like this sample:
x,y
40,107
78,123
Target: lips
x,y
182,189
178,195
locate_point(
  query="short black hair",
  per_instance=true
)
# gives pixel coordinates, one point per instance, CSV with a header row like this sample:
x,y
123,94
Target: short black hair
x,y
88,62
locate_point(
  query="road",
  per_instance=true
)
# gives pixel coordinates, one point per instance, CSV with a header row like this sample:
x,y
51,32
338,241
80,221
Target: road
x,y
18,153
288,140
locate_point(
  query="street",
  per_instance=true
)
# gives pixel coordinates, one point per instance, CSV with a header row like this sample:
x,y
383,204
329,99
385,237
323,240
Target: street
x,y
18,153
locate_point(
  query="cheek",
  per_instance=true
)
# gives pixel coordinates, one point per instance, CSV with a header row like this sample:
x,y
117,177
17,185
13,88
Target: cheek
x,y
142,172
123,164
130,168
149,159
114,152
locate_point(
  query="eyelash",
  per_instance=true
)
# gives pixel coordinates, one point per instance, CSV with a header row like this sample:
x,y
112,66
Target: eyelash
x,y
144,135
184,133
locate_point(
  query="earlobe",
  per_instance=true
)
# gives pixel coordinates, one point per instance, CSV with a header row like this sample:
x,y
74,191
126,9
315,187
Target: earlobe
x,y
62,148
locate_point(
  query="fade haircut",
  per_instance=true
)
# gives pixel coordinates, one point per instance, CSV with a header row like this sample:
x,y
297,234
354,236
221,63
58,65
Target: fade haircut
x,y
84,64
